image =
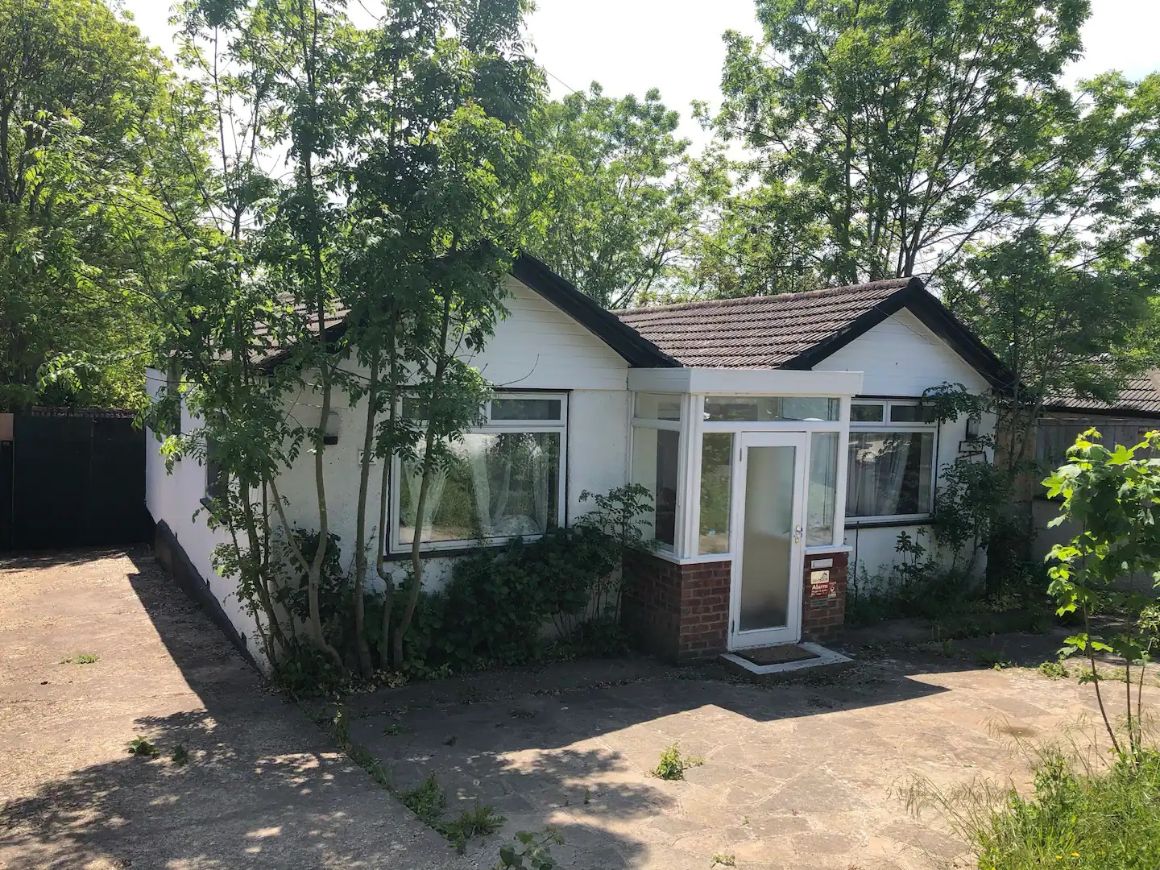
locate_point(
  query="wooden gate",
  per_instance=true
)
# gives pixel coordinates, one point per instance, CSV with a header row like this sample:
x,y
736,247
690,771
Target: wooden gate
x,y
71,479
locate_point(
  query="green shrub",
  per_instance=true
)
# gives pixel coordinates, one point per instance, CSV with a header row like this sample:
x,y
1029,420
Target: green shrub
x,y
1054,670
1078,820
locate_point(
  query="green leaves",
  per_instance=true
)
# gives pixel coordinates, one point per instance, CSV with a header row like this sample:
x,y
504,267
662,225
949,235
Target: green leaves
x,y
615,191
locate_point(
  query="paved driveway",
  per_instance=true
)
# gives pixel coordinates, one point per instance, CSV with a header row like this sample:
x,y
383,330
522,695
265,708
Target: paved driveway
x,y
804,776
262,787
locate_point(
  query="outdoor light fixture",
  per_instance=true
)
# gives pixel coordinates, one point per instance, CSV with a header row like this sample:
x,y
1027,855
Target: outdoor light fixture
x,y
331,430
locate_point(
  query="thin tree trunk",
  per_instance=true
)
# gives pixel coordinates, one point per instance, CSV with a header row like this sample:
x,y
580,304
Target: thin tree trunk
x,y
424,487
360,558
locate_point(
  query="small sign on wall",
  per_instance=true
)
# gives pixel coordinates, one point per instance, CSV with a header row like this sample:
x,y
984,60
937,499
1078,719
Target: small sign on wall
x,y
820,586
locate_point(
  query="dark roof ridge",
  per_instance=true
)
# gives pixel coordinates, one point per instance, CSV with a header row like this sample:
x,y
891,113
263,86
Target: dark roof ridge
x,y
797,294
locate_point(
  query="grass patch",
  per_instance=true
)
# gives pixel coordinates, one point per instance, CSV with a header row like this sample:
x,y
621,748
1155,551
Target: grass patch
x,y
1078,820
142,747
672,764
81,659
720,860
1076,817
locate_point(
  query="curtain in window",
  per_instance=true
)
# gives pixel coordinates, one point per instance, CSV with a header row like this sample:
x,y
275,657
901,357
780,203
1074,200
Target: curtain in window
x,y
413,479
510,482
889,473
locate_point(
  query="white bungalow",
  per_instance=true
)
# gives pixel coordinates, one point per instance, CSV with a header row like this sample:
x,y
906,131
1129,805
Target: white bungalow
x,y
782,438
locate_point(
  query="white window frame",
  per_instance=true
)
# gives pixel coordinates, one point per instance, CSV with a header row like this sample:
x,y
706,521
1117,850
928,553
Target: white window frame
x,y
396,548
884,425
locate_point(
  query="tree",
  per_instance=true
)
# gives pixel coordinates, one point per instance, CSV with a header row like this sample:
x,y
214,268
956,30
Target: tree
x,y
86,247
902,129
618,191
1112,495
398,215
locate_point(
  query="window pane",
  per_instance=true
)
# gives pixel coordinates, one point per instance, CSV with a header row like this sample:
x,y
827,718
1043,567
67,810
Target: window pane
x,y
493,486
890,473
866,413
820,500
769,409
658,406
911,414
525,409
716,481
654,466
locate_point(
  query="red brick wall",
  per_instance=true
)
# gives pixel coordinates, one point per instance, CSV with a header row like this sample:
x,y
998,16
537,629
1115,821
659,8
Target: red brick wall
x,y
822,617
678,611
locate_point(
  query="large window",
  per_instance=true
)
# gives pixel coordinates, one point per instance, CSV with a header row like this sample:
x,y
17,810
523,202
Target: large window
x,y
501,480
891,461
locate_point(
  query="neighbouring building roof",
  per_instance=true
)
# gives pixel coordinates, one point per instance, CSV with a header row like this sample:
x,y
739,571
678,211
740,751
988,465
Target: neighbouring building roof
x,y
799,330
1140,398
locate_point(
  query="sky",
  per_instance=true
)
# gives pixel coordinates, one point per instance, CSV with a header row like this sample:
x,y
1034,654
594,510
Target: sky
x,y
630,46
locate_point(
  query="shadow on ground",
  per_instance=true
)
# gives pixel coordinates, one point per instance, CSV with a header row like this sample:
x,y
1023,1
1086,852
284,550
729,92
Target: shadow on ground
x,y
261,787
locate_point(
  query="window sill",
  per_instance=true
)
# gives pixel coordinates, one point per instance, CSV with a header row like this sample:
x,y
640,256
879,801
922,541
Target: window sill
x,y
890,522
454,550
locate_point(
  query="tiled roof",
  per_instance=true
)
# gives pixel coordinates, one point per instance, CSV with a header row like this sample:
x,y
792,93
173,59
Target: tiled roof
x,y
758,331
1141,395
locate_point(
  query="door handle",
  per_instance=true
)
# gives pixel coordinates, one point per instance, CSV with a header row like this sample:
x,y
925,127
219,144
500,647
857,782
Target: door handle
x,y
797,534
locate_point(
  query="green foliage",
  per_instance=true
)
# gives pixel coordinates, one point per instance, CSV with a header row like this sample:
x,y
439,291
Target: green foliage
x,y
530,851
1113,497
426,800
1054,670
180,755
477,822
142,747
617,191
88,249
672,764
723,859
1080,819
81,659
857,112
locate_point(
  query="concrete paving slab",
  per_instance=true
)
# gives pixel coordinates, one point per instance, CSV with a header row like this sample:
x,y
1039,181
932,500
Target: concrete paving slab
x,y
262,788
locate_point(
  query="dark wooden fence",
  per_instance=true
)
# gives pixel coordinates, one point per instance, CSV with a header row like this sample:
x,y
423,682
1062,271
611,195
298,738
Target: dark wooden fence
x,y
71,479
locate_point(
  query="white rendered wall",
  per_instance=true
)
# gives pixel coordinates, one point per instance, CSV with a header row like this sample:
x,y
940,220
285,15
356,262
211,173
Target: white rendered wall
x,y
535,347
902,358
175,498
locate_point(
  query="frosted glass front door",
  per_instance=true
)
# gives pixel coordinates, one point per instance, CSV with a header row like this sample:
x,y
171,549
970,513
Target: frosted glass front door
x,y
769,505
768,538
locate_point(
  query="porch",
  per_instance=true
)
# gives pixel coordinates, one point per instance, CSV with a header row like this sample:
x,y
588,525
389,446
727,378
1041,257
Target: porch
x,y
748,471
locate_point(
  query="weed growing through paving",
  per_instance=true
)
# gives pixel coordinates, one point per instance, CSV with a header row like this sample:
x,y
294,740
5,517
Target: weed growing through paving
x,y
81,659
395,729
426,800
994,659
142,747
180,755
530,851
478,822
1054,670
673,764
720,860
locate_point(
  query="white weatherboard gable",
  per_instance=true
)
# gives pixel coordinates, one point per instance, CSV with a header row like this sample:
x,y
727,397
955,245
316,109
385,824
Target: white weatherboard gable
x,y
902,357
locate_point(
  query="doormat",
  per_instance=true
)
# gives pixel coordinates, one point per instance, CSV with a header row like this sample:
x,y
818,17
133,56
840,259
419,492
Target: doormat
x,y
776,655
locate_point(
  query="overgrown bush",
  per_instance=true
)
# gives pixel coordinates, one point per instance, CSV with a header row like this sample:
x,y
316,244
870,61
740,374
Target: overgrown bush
x,y
1081,820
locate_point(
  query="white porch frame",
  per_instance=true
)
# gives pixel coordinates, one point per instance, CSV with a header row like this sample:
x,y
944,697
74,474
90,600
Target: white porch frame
x,y
694,384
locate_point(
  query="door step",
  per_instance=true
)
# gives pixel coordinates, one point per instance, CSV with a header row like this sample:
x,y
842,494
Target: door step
x,y
785,661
